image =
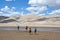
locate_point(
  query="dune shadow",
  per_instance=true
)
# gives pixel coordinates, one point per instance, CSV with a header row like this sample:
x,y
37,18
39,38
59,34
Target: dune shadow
x,y
7,21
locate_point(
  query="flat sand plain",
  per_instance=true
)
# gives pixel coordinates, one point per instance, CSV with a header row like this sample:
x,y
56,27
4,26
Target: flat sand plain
x,y
23,35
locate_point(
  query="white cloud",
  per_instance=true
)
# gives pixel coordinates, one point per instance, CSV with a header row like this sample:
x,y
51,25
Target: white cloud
x,y
50,3
1,13
55,12
41,6
37,2
6,15
13,8
15,14
10,11
8,0
37,9
37,6
7,9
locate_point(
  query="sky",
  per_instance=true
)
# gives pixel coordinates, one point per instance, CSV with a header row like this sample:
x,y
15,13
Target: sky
x,y
26,7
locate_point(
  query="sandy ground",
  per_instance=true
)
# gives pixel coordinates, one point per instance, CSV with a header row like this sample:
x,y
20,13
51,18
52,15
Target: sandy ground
x,y
22,35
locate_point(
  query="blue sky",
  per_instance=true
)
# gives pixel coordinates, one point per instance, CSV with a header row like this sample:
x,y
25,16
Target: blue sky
x,y
24,7
17,3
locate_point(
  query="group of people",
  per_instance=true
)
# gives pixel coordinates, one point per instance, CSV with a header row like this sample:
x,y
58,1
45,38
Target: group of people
x,y
29,29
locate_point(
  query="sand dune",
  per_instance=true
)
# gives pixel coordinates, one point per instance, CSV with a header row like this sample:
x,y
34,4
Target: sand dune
x,y
32,20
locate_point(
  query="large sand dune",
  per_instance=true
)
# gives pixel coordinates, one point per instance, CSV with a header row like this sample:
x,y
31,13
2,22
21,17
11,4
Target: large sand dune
x,y
31,20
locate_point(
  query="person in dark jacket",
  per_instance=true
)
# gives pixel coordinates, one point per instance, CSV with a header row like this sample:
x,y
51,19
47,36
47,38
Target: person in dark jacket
x,y
18,27
26,28
35,30
30,30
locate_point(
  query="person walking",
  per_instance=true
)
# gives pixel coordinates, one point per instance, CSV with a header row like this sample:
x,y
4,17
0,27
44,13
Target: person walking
x,y
26,28
18,27
30,30
35,30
